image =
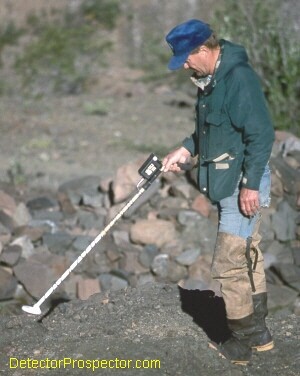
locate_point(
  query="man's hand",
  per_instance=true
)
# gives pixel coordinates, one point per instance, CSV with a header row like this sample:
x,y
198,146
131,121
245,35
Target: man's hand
x,y
172,161
249,201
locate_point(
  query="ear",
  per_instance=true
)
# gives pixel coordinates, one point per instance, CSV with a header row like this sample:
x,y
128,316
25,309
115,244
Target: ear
x,y
204,49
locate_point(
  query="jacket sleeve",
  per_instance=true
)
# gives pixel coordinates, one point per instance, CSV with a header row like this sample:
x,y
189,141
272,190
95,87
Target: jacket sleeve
x,y
248,112
191,144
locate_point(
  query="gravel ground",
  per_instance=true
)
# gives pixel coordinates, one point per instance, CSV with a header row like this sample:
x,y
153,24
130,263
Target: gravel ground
x,y
135,327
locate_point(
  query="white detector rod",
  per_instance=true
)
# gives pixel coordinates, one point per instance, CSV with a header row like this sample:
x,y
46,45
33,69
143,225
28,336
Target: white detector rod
x,y
149,170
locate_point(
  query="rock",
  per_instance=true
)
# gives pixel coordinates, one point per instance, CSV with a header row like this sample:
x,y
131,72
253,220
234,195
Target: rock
x,y
199,232
188,257
54,216
22,216
290,274
283,222
65,203
266,229
280,296
58,242
296,255
282,136
121,238
173,248
39,272
276,186
269,260
46,224
110,282
296,306
105,184
145,197
176,272
292,162
5,235
125,181
122,273
113,254
130,263
87,265
88,220
289,177
201,205
181,189
82,242
160,265
94,201
154,231
117,283
87,287
147,255
8,284
200,269
7,221
95,264
113,211
37,278
105,279
290,143
25,244
33,233
76,188
281,252
11,255
173,203
21,294
272,278
42,203
7,204
144,279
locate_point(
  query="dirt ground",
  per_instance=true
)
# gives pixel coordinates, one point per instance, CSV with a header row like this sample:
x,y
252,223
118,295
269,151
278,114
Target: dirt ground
x,y
153,330
52,140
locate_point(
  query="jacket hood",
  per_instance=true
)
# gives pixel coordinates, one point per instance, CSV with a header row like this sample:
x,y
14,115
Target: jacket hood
x,y
232,55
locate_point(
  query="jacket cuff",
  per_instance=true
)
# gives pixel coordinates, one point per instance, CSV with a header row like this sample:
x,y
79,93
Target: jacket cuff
x,y
252,183
188,143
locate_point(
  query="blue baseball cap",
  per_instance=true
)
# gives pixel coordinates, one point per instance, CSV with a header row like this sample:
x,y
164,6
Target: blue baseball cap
x,y
184,38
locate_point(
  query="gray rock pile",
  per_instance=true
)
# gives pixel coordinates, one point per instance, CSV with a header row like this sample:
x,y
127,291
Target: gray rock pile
x,y
167,236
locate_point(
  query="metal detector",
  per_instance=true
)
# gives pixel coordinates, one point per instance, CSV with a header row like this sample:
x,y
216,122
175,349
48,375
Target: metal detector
x,y
149,171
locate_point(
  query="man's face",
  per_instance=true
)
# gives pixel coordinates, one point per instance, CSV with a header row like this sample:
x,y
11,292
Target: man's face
x,y
198,62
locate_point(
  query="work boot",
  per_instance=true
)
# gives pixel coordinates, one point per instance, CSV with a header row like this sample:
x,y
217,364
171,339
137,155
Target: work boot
x,y
237,348
261,339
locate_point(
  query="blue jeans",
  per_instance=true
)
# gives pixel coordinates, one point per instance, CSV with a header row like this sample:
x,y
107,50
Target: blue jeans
x,y
231,219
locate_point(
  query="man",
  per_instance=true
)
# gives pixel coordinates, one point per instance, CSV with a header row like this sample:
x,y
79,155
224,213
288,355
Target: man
x,y
232,140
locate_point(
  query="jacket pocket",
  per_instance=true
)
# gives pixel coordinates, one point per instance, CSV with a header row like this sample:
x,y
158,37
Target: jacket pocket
x,y
216,126
223,176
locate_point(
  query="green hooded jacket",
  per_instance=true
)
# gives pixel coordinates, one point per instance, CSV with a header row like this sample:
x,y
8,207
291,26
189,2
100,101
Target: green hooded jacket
x,y
233,134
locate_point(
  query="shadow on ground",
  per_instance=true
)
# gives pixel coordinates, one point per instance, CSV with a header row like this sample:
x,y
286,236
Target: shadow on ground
x,y
207,311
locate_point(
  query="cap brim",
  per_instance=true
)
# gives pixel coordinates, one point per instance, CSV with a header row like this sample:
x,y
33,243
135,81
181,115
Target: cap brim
x,y
177,62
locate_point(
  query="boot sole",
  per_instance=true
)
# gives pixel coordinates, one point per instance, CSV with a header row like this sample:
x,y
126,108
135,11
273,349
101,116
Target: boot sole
x,y
214,346
266,347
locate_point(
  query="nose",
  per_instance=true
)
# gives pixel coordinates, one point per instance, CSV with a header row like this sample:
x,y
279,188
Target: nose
x,y
186,65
